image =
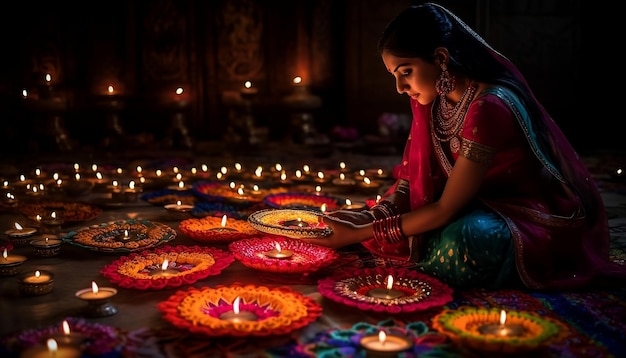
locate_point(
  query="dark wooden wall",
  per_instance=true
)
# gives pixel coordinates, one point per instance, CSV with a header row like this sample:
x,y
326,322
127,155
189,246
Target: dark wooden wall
x,y
147,48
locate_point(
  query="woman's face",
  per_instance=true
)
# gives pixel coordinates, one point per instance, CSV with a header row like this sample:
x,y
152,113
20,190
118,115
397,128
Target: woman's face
x,y
414,76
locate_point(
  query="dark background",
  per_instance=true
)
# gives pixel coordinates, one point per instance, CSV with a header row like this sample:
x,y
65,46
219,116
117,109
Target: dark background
x,y
147,48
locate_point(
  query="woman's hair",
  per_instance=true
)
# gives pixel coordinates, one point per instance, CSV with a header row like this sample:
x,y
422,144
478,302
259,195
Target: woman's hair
x,y
420,29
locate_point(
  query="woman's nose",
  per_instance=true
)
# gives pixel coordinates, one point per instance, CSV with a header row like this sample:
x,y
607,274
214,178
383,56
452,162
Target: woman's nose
x,y
401,87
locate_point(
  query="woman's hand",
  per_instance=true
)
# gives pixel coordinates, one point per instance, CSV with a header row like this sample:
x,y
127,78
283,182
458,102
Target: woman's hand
x,y
344,232
355,217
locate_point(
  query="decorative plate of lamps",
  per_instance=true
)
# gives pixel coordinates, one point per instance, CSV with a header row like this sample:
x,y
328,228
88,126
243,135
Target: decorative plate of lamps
x,y
242,311
167,267
121,236
282,255
294,223
385,289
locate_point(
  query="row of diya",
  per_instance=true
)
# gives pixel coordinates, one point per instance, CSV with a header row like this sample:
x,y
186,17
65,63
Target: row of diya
x,y
79,182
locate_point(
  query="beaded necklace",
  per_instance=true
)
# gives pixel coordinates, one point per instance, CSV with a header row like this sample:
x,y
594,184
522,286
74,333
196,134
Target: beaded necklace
x,y
448,121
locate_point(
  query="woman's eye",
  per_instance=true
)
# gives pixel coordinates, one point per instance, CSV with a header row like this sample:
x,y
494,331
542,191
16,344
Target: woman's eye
x,y
405,73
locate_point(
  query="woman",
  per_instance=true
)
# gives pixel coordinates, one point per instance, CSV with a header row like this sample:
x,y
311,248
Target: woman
x,y
489,192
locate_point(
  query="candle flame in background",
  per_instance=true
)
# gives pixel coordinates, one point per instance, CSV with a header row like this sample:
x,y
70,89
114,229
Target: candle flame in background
x,y
5,254
283,176
342,165
179,203
22,177
66,327
348,201
240,191
238,166
52,347
278,167
175,169
320,175
139,169
165,264
298,173
94,167
77,176
382,337
110,89
126,234
318,189
297,80
502,317
247,84
255,187
378,197
59,182
37,172
179,91
119,170
48,78
380,172
361,172
259,171
389,282
224,221
232,185
367,181
94,287
158,172
24,93
236,305
181,184
342,176
323,208
55,176
131,184
18,226
115,183
53,214
223,170
278,248
37,273
76,166
99,176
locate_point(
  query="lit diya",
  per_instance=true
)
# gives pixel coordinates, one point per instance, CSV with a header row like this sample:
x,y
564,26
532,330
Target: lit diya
x,y
38,283
9,264
20,235
98,300
495,330
385,345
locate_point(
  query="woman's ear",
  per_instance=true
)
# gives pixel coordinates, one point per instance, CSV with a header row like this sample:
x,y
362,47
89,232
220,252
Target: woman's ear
x,y
441,55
